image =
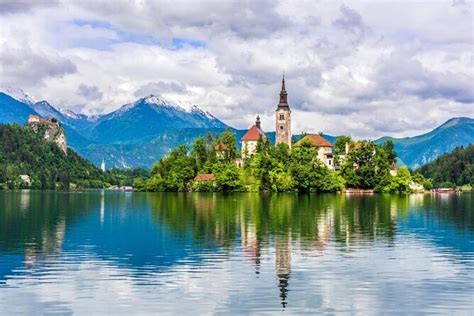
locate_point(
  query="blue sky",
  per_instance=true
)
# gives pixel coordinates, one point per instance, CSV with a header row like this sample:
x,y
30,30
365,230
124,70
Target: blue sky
x,y
365,68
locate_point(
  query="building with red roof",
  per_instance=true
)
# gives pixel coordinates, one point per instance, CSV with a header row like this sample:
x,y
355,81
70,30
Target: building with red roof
x,y
324,148
250,139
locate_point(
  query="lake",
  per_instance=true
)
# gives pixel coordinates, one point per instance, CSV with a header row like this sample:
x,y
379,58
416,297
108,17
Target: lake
x,y
110,252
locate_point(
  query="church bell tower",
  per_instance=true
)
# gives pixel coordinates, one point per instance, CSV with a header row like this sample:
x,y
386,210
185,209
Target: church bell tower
x,y
283,118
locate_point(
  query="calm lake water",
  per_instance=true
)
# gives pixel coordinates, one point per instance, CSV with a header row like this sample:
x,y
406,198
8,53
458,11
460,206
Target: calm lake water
x,y
141,253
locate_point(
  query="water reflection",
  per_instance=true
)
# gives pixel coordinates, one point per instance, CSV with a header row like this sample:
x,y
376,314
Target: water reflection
x,y
151,238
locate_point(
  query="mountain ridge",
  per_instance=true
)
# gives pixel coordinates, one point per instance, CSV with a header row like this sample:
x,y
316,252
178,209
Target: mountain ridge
x,y
139,133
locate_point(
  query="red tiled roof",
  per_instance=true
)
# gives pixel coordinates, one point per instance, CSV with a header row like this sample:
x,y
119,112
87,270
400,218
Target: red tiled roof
x,y
316,140
204,177
254,133
220,147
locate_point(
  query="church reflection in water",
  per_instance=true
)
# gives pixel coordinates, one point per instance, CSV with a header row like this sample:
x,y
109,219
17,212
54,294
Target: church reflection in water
x,y
123,227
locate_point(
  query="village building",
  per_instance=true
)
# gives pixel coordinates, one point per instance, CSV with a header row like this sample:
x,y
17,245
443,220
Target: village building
x,y
204,177
283,118
324,148
250,139
221,150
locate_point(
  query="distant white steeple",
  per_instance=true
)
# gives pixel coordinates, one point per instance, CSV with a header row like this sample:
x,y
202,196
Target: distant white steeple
x,y
102,165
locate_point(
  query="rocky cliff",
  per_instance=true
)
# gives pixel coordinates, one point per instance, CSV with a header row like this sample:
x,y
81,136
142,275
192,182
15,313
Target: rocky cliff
x,y
51,130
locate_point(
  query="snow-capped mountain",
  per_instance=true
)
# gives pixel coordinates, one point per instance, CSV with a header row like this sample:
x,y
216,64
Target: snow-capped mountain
x,y
139,133
44,109
18,94
150,116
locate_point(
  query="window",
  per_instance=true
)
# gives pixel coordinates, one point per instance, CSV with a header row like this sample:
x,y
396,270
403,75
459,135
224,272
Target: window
x,y
281,127
282,116
329,161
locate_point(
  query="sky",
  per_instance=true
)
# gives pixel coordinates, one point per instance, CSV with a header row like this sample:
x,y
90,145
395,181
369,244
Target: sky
x,y
360,68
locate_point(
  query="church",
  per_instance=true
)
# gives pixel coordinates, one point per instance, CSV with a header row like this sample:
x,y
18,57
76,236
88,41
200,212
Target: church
x,y
283,133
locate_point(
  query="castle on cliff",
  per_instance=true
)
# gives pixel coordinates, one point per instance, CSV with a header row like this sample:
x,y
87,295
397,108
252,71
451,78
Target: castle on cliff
x,y
283,133
53,132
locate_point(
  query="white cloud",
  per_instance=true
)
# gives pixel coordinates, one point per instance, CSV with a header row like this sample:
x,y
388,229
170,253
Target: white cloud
x,y
351,67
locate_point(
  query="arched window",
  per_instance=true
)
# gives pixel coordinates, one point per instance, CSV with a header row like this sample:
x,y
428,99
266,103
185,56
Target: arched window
x,y
282,116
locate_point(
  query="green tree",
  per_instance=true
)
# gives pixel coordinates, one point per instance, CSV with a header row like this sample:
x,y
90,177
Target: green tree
x,y
227,176
340,144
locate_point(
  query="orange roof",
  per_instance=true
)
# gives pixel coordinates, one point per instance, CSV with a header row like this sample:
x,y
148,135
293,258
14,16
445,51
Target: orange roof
x,y
220,147
254,133
316,140
204,177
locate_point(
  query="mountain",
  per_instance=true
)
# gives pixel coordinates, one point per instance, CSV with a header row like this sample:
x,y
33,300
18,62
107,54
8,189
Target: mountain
x,y
14,111
150,116
18,94
26,152
141,132
419,150
452,169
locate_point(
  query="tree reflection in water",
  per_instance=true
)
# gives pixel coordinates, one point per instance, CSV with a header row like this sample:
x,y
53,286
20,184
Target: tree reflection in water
x,y
36,223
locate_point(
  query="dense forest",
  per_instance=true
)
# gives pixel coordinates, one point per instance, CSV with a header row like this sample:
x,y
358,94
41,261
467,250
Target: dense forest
x,y
277,168
24,152
452,169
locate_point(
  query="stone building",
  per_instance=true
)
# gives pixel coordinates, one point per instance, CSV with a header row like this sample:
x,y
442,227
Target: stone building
x,y
250,139
283,118
324,147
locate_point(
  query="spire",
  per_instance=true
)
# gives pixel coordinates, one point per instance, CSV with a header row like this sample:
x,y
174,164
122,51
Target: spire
x,y
283,95
257,122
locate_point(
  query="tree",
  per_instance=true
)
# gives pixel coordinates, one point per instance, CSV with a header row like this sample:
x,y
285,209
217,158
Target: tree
x,y
340,144
227,176
175,170
200,152
390,151
400,183
228,139
366,167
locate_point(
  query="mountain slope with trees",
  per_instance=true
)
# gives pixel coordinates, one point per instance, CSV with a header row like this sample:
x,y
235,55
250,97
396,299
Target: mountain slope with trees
x,y
24,152
453,169
139,133
419,150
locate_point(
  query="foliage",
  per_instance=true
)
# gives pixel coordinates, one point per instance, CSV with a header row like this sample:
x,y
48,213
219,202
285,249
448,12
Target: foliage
x,y
227,176
24,152
272,168
452,169
366,167
340,144
400,183
174,172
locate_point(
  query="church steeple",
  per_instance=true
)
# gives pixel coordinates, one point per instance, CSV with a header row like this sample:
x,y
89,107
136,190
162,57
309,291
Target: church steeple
x,y
283,94
283,117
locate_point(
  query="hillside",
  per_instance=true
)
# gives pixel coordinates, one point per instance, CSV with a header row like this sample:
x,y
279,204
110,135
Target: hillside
x,y
23,152
455,168
419,150
141,132
14,111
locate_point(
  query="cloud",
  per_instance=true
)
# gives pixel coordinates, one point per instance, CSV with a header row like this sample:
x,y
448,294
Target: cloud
x,y
160,88
18,6
350,21
23,66
90,92
403,74
350,67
